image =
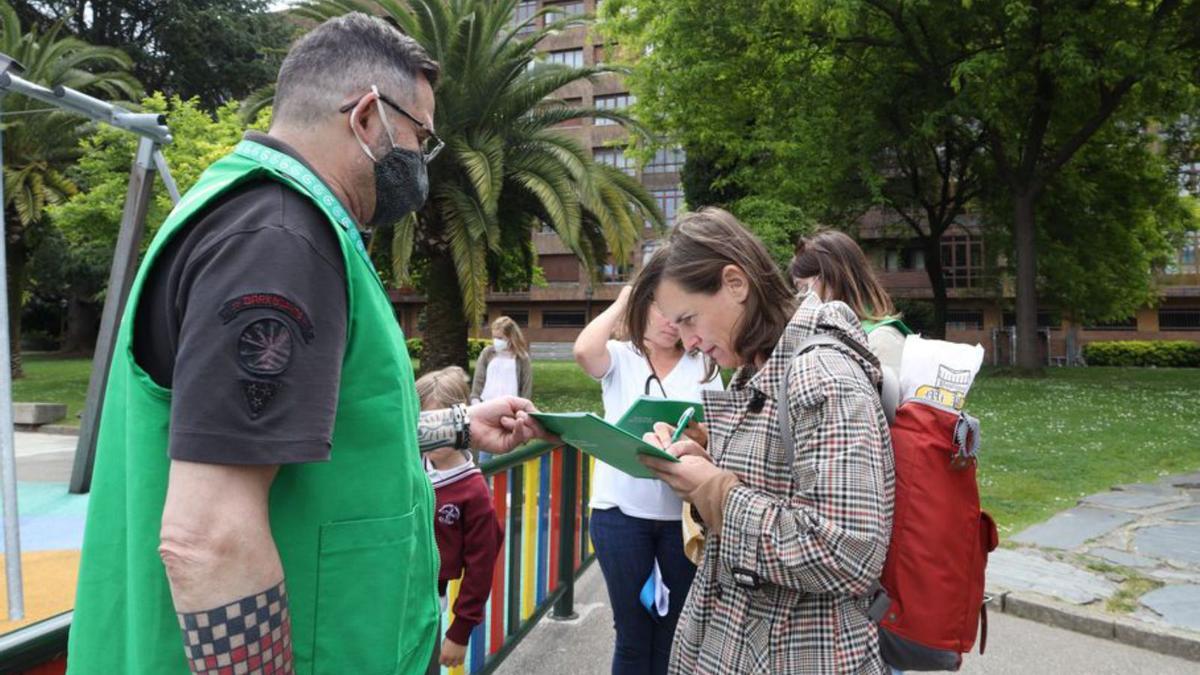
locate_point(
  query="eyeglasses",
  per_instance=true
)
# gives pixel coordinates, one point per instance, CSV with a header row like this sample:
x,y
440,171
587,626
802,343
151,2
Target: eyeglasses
x,y
431,145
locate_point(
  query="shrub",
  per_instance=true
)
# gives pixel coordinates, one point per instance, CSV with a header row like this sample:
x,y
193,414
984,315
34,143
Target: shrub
x,y
1143,353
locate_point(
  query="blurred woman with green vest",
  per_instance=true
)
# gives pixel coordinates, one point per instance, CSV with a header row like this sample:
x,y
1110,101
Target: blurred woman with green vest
x,y
831,265
259,502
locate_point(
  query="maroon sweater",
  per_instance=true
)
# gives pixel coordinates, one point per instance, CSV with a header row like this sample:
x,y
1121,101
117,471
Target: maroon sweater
x,y
468,539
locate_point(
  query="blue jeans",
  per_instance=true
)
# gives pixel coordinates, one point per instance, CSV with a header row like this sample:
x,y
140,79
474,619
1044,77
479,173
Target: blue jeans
x,y
626,548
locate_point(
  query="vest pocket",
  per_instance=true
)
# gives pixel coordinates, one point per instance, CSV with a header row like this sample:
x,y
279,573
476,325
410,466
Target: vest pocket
x,y
364,592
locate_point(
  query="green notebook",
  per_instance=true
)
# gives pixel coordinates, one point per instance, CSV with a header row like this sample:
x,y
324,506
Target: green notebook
x,y
608,443
645,411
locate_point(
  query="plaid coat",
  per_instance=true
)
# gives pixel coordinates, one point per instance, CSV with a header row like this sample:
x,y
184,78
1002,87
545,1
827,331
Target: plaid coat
x,y
816,533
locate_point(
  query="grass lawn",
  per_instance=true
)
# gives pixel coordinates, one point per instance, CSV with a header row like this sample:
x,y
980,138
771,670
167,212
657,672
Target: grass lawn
x,y
1046,441
49,379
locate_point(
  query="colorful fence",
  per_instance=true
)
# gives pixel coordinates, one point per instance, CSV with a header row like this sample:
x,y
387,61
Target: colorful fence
x,y
540,493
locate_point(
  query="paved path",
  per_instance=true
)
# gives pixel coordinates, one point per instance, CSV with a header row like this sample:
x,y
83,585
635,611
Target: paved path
x,y
1143,539
51,526
1015,646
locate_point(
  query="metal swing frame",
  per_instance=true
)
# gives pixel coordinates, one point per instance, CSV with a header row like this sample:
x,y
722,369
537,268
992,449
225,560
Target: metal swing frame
x,y
153,133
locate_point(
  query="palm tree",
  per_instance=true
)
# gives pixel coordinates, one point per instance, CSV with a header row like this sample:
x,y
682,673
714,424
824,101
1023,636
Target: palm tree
x,y
39,144
505,169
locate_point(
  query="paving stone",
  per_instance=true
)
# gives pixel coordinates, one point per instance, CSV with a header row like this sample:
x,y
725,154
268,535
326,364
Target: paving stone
x,y
1188,481
1188,514
1024,571
1125,558
1161,487
1178,543
1178,605
1072,528
1134,500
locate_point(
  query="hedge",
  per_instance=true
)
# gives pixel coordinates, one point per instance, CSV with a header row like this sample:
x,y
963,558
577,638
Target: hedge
x,y
1143,353
416,348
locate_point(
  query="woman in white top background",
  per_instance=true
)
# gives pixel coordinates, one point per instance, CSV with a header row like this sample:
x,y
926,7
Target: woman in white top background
x,y
636,522
503,368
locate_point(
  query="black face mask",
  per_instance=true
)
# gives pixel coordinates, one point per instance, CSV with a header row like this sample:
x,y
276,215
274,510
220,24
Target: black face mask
x,y
401,185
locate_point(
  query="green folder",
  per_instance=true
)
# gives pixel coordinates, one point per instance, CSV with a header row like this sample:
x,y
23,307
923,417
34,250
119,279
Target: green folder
x,y
606,442
647,410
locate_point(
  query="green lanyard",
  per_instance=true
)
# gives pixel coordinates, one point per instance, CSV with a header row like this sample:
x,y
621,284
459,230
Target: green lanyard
x,y
314,185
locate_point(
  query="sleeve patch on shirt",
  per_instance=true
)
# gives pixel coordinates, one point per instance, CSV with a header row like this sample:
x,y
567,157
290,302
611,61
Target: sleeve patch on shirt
x,y
269,301
265,347
258,395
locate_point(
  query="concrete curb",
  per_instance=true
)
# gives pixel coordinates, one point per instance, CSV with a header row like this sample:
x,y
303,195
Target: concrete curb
x,y
59,429
1159,639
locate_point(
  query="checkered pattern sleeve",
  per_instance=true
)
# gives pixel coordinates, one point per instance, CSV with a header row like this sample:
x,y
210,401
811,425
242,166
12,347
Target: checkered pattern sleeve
x,y
831,535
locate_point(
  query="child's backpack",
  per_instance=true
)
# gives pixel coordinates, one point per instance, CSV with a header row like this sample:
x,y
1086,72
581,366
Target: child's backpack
x,y
930,602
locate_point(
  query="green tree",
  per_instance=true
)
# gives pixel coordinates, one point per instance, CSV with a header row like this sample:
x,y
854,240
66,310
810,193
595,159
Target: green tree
x,y
779,225
215,50
1107,224
90,219
808,117
39,145
920,103
506,169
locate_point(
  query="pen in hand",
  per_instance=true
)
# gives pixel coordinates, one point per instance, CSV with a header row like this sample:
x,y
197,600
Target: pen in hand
x,y
684,420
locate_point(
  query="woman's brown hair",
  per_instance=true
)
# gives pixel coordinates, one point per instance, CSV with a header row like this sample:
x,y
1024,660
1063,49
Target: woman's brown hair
x,y
844,272
512,332
443,388
702,244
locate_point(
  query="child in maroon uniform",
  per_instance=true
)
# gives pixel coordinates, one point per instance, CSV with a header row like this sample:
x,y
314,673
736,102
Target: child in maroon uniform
x,y
468,535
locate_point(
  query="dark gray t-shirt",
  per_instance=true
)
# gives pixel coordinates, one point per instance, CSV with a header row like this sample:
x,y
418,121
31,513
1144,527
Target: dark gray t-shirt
x,y
243,318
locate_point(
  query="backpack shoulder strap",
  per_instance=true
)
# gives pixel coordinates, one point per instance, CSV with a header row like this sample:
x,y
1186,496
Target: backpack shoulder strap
x,y
785,411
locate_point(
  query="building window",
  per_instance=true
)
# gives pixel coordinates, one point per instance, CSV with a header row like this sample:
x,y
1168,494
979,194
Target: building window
x,y
914,259
525,10
572,103
962,260
563,319
668,202
569,8
1126,324
614,157
1045,319
1179,319
612,102
614,273
520,316
568,57
666,160
964,319
1185,260
648,250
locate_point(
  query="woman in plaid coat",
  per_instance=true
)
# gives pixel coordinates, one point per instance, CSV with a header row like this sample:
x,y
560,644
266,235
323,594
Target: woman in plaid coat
x,y
793,549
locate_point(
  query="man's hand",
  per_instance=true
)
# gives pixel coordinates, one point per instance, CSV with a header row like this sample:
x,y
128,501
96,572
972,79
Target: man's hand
x,y
501,424
453,653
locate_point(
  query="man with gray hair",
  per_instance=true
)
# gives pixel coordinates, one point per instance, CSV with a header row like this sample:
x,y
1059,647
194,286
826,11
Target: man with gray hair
x,y
258,487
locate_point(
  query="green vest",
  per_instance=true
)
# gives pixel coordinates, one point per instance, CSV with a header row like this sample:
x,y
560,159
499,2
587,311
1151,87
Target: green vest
x,y
895,322
355,533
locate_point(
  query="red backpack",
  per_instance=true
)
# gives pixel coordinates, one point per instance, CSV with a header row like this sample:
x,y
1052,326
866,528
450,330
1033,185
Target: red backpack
x,y
929,602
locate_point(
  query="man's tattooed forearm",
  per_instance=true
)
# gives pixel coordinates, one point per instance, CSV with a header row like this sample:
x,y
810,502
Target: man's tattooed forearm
x,y
252,635
436,430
